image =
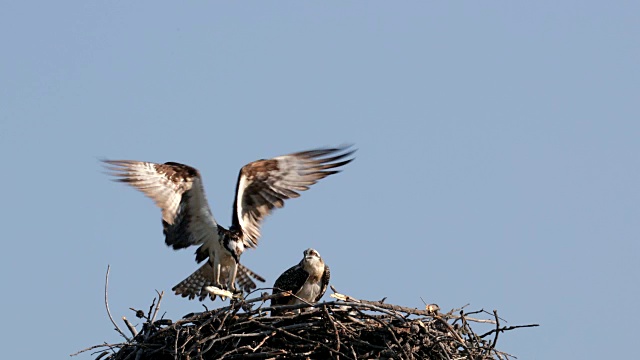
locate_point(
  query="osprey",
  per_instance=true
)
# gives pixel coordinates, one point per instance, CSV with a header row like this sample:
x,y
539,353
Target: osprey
x,y
187,219
307,281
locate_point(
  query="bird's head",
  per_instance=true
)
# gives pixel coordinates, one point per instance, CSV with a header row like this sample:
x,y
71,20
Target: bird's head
x,y
311,254
312,262
233,243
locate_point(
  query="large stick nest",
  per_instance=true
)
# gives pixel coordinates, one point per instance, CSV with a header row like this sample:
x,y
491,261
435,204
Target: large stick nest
x,y
346,328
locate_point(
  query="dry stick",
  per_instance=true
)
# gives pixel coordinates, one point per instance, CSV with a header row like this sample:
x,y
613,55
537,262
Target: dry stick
x,y
368,305
335,330
175,345
393,335
471,334
455,334
106,303
217,332
495,339
133,330
351,300
136,352
356,338
449,315
507,328
230,336
344,300
506,355
474,312
444,351
110,346
458,309
155,312
282,330
151,319
367,344
289,293
237,350
153,303
255,348
103,354
262,355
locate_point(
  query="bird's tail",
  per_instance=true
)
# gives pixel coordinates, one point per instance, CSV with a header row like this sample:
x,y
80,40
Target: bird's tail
x,y
244,277
194,285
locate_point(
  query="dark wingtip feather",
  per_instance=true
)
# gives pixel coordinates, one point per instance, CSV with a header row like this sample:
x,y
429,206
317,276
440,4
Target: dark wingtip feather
x,y
201,254
324,151
330,161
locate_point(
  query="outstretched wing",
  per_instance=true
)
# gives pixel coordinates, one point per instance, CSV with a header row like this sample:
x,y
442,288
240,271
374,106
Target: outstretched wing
x,y
177,190
265,184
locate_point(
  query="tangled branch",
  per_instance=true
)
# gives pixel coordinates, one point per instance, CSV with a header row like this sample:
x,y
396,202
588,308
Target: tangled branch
x,y
346,328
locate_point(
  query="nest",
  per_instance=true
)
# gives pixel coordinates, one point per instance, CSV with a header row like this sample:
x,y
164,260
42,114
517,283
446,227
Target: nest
x,y
346,328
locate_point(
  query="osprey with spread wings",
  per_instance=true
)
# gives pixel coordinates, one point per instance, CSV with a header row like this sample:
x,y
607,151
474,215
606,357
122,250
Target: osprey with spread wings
x,y
187,219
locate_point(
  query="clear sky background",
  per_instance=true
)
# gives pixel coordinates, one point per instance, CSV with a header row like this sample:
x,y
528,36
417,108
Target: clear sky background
x,y
497,164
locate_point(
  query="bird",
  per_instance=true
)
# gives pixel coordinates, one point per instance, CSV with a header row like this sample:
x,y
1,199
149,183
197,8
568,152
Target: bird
x,y
307,281
187,219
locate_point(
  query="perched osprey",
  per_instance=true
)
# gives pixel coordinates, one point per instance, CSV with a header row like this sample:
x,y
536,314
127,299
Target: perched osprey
x,y
187,219
308,281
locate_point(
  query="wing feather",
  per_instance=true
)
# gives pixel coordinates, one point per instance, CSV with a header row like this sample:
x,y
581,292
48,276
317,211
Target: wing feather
x,y
290,280
265,184
177,190
326,276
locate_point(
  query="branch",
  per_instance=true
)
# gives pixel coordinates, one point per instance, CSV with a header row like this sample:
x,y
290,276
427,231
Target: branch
x,y
106,304
132,328
507,328
155,312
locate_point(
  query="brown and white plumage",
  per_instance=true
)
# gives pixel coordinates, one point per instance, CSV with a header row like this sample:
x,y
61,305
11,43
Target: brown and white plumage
x,y
262,186
194,285
265,184
307,281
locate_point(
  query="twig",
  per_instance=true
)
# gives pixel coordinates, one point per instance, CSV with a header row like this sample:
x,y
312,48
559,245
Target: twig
x,y
255,348
407,310
155,312
495,339
153,303
133,330
111,346
393,335
175,345
283,331
335,330
507,328
106,304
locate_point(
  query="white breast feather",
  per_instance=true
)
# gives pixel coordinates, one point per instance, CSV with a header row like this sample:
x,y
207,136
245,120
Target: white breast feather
x,y
309,292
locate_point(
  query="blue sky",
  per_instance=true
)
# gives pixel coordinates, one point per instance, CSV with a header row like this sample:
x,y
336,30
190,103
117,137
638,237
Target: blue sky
x,y
497,163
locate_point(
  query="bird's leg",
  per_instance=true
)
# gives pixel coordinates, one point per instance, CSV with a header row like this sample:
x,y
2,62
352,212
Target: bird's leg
x,y
216,272
231,282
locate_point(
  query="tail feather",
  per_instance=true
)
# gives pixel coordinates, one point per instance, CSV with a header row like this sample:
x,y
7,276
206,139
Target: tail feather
x,y
193,286
246,271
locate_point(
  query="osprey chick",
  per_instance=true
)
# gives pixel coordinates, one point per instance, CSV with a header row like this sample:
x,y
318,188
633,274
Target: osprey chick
x,y
307,281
